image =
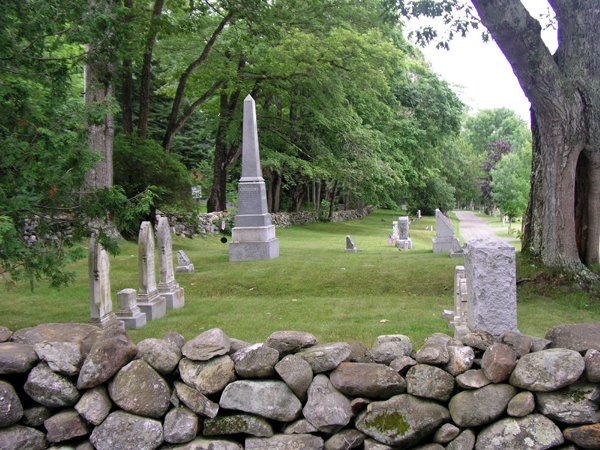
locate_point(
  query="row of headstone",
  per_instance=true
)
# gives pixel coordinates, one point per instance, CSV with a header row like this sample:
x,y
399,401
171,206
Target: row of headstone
x,y
485,293
152,300
445,241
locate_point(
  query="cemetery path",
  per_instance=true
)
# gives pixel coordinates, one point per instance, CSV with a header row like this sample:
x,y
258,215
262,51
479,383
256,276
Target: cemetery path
x,y
473,227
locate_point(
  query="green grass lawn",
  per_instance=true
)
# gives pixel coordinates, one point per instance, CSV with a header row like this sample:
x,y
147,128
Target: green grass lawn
x,y
313,286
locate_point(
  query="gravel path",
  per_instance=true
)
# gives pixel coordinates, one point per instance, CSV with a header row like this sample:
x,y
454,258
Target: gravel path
x,y
473,227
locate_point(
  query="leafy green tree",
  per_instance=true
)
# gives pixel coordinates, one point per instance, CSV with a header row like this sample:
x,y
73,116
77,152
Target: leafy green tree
x,y
510,183
493,125
43,134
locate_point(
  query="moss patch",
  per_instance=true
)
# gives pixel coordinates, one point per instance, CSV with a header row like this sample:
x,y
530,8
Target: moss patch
x,y
388,423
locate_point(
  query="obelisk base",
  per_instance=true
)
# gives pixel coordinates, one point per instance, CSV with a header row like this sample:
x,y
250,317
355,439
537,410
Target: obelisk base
x,y
250,243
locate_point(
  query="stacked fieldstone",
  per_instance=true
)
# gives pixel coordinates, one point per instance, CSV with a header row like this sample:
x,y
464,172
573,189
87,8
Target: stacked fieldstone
x,y
211,223
77,386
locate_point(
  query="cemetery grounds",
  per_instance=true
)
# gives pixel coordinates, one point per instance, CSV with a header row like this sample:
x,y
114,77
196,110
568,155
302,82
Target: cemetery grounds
x,y
314,286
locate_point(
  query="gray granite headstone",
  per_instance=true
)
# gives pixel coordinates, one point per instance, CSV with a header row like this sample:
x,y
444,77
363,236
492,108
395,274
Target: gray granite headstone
x,y
418,214
491,286
149,299
101,310
167,286
350,247
128,312
403,242
444,240
253,236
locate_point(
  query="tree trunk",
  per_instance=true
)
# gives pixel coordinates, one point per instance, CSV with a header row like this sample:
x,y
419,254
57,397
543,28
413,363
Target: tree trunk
x,y
127,88
318,198
147,69
183,79
277,192
564,91
98,94
297,197
332,195
274,192
225,153
587,206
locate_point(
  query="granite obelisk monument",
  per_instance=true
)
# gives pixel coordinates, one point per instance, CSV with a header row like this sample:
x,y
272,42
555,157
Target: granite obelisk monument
x,y
253,236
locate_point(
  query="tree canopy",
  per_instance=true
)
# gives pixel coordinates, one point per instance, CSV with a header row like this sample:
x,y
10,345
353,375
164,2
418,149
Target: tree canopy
x,y
349,113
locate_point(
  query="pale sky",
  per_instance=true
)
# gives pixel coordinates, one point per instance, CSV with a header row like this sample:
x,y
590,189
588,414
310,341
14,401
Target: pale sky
x,y
479,72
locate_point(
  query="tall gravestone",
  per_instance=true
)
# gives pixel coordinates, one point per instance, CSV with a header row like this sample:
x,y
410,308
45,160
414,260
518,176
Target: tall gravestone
x,y
148,299
490,273
101,310
403,241
444,241
167,286
253,236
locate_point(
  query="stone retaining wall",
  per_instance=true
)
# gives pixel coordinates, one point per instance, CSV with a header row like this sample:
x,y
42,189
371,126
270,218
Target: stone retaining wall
x,y
77,386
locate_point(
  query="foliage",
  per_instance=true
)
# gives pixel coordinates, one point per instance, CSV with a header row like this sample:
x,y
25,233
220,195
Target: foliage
x,y
141,164
510,183
496,151
437,193
494,125
44,213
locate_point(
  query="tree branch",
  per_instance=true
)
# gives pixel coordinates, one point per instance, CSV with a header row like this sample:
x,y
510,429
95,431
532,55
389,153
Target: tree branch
x,y
167,141
519,37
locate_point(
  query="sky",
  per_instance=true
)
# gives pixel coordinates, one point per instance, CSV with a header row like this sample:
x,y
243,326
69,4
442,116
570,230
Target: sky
x,y
479,72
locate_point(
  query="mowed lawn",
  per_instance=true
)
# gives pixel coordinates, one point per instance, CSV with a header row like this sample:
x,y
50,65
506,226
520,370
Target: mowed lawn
x,y
313,286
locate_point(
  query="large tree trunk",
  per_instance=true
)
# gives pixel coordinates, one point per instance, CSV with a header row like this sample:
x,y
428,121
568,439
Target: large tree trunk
x,y
297,196
147,69
564,91
98,73
587,206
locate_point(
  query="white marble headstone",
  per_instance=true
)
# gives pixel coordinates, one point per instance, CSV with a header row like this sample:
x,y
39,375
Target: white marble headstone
x,y
101,310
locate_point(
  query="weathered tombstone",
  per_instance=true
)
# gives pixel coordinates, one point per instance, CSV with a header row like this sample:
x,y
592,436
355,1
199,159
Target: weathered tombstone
x,y
197,193
350,247
491,286
395,231
128,312
418,214
253,236
99,281
149,299
444,240
403,242
459,321
167,286
183,263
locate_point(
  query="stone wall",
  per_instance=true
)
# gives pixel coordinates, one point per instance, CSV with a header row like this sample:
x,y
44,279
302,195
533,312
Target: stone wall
x,y
77,386
211,223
